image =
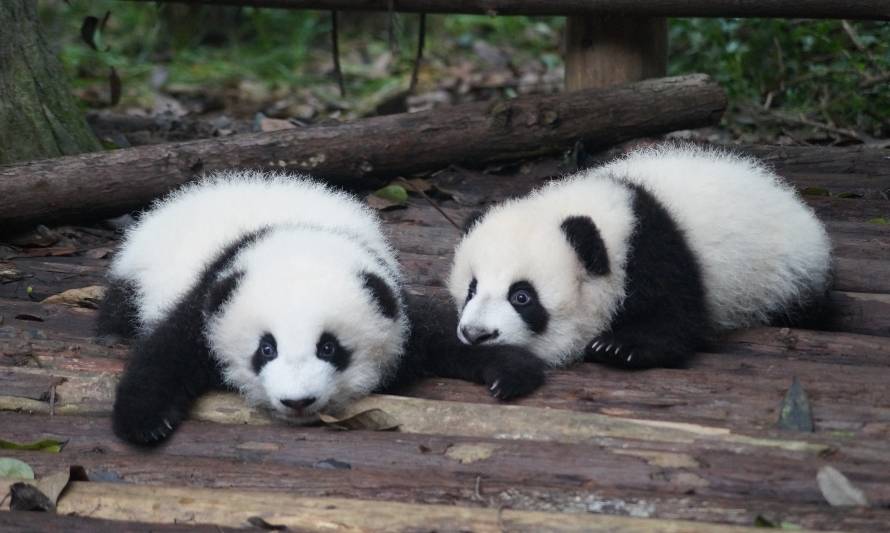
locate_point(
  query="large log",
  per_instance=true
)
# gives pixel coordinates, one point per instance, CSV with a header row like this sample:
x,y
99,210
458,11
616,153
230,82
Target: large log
x,y
832,9
113,182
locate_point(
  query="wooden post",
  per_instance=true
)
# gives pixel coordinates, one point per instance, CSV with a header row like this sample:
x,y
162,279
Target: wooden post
x,y
605,50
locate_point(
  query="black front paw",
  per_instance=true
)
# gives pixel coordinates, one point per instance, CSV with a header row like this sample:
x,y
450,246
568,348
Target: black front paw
x,y
512,372
612,350
145,417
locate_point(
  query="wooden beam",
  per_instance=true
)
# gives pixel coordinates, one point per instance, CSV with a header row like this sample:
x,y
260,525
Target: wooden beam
x,y
113,182
605,49
234,508
831,9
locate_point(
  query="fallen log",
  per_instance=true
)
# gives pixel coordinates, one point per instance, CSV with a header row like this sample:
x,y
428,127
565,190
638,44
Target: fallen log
x,y
113,182
850,9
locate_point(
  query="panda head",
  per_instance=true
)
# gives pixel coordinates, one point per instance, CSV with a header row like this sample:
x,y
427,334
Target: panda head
x,y
533,273
302,321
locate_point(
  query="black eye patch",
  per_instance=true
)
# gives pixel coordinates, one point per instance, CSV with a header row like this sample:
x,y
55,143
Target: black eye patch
x,y
266,351
471,291
524,299
329,349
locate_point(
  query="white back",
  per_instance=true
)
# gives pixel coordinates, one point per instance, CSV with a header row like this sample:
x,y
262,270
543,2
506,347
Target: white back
x,y
759,246
165,252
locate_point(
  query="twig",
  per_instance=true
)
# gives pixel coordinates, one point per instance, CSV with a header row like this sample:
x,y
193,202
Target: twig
x,y
335,50
391,25
431,202
803,121
851,33
52,400
421,37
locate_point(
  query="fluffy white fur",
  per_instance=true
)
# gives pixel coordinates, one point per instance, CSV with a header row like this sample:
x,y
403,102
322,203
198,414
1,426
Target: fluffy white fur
x,y
758,245
301,279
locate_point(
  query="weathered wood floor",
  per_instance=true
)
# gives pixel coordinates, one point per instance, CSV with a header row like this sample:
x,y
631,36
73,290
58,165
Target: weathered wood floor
x,y
596,448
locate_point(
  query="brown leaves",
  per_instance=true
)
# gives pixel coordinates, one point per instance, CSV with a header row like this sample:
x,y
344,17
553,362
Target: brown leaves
x,y
370,420
88,297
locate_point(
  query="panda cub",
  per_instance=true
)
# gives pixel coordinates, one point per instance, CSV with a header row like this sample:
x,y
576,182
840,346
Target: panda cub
x,y
635,263
280,288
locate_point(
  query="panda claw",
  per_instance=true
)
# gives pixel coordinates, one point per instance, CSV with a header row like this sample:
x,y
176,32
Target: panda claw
x,y
629,357
595,346
494,385
609,347
167,423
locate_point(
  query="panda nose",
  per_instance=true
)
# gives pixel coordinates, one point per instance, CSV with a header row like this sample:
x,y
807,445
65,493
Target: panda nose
x,y
478,335
299,405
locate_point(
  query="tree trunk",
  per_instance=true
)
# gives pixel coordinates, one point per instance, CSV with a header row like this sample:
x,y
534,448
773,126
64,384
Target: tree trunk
x,y
39,118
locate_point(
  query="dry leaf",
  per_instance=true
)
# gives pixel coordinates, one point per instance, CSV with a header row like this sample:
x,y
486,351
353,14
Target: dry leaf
x,y
372,420
260,522
275,124
83,297
795,413
837,489
98,253
9,273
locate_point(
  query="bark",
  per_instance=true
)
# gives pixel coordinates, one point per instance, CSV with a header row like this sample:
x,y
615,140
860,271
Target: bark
x,y
116,181
848,9
39,117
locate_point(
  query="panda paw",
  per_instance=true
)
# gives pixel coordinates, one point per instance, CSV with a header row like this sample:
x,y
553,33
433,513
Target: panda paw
x,y
143,420
610,350
513,372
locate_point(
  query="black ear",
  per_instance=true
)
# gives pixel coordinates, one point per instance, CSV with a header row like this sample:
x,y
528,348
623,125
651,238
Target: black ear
x,y
471,220
585,238
220,291
382,294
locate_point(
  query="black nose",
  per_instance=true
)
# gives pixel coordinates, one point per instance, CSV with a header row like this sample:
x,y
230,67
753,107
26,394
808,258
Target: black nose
x,y
299,404
478,335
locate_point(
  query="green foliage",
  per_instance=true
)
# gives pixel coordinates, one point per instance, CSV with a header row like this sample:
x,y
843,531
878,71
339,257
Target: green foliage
x,y
836,75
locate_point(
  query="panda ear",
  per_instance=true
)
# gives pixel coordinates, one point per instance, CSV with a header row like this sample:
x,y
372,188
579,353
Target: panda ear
x,y
220,291
382,294
585,239
471,220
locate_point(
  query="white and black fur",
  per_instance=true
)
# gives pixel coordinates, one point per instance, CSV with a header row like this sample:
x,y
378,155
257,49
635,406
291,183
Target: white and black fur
x,y
275,286
636,262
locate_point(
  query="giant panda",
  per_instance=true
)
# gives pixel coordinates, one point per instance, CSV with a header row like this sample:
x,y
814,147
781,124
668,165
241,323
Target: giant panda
x,y
278,287
635,263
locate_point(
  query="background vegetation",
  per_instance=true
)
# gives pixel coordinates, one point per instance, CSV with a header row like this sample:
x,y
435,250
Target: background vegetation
x,y
830,77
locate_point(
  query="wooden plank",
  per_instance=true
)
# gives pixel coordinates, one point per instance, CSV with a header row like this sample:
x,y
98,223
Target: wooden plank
x,y
92,395
831,9
233,508
27,522
530,477
752,376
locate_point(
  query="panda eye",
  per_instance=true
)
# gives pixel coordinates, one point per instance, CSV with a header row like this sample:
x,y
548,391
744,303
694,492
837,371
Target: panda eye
x,y
472,290
520,298
327,347
268,349
265,352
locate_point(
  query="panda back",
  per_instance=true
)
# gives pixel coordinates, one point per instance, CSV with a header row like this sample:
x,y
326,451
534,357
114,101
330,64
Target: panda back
x,y
165,252
760,248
